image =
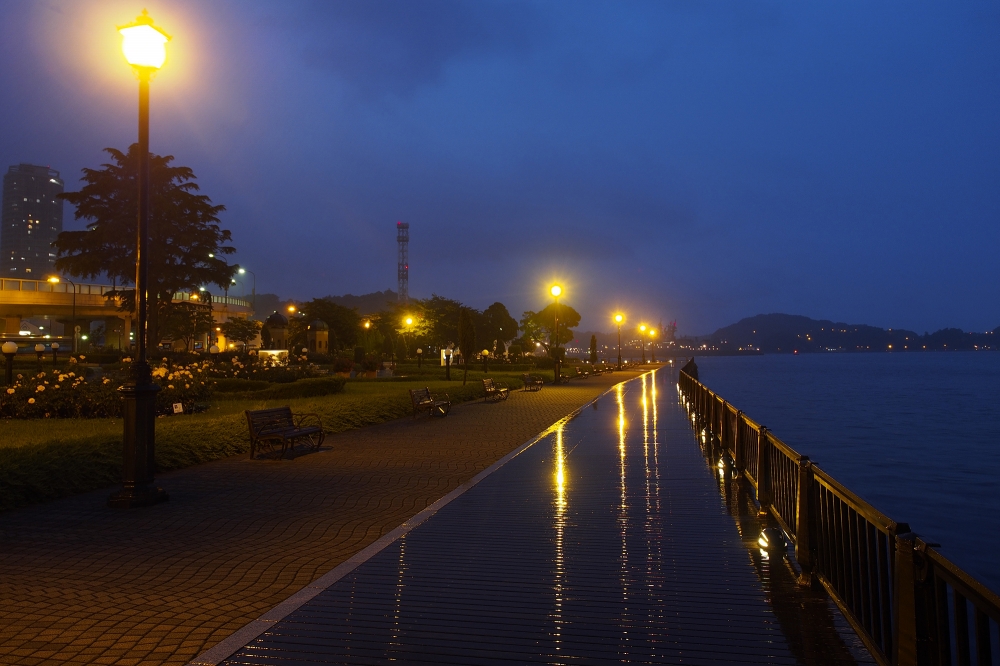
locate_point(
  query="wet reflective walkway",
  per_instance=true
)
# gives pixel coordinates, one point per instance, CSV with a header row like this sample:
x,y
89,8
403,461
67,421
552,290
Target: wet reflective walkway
x,y
606,541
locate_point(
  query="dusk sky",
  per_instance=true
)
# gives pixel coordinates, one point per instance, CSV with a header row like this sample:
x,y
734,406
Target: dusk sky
x,y
697,161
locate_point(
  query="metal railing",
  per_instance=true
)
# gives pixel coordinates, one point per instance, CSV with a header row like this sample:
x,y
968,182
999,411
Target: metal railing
x,y
905,600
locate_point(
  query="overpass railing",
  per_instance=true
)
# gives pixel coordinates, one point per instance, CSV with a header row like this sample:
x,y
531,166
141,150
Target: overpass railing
x,y
64,287
906,601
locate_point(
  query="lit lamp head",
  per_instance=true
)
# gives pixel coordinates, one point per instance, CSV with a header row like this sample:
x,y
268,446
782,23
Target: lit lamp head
x,y
9,347
409,321
642,328
242,271
367,324
53,280
556,291
144,45
39,348
619,319
291,308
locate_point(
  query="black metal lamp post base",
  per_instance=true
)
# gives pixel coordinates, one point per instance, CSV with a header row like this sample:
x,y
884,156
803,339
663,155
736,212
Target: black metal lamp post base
x,y
130,498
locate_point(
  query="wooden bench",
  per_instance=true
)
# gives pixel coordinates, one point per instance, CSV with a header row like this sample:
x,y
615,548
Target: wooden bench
x,y
532,383
496,390
279,425
424,401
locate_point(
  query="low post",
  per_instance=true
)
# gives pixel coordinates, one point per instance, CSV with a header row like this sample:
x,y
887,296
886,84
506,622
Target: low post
x,y
9,350
420,356
447,365
763,475
55,353
803,521
39,351
905,600
738,462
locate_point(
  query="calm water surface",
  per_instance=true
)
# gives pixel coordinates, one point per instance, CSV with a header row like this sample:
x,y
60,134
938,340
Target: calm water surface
x,y
916,435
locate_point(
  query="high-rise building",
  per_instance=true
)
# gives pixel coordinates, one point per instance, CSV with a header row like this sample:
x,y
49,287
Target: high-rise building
x,y
32,218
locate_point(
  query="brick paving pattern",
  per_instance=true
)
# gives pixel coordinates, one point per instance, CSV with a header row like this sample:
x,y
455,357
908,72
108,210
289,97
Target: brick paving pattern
x,y
82,584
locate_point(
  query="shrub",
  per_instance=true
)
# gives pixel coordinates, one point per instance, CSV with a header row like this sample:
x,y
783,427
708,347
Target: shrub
x,y
235,385
68,395
304,388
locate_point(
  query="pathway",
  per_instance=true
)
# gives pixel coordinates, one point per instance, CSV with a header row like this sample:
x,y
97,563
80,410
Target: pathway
x,y
83,584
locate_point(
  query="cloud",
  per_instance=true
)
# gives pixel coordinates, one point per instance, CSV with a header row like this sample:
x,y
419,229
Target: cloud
x,y
379,47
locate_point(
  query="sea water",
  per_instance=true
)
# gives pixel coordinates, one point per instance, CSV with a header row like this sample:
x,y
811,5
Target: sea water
x,y
915,434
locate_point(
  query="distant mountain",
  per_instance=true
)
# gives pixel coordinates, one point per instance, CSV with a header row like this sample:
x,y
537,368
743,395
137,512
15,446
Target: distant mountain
x,y
773,333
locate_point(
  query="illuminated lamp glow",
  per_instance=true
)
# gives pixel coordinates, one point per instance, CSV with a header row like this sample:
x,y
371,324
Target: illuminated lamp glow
x,y
143,44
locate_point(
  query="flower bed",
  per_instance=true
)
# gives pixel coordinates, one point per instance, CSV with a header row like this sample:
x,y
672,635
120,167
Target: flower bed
x,y
69,395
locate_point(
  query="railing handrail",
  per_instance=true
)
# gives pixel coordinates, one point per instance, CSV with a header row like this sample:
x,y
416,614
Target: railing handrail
x,y
890,584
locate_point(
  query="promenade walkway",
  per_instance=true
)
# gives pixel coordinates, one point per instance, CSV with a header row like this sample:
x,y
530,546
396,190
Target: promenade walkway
x,y
606,541
82,584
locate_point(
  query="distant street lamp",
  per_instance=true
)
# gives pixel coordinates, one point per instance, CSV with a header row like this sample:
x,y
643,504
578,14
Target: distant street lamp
x,y
55,280
420,355
253,301
652,349
642,341
486,356
618,320
556,291
9,349
449,350
144,46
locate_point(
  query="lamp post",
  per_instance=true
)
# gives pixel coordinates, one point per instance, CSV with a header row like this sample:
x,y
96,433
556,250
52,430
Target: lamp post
x,y
39,351
144,47
556,291
253,297
409,331
486,356
9,350
420,356
642,341
652,349
618,320
55,353
449,350
55,280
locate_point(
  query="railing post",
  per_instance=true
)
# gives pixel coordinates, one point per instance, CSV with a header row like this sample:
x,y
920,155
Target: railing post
x,y
904,603
803,522
738,462
763,474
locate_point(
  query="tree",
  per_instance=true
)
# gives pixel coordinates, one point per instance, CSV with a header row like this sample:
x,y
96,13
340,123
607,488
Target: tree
x,y
593,349
186,321
538,326
186,243
496,325
344,322
466,339
241,330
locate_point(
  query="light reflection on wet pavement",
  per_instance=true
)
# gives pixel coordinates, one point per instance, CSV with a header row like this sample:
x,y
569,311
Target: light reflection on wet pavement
x,y
607,541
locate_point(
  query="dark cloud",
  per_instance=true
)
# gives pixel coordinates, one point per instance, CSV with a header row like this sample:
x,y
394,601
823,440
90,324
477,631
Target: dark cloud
x,y
383,46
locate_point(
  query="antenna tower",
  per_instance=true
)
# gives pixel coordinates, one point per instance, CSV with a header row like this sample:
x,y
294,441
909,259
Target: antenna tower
x,y
403,265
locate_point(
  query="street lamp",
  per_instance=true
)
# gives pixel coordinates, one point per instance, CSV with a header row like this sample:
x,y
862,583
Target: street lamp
x,y
486,356
56,280
556,291
55,353
9,349
253,301
618,320
420,356
144,46
39,351
642,341
652,349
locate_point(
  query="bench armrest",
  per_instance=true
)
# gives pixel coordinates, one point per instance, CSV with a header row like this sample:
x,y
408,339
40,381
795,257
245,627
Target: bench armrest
x,y
301,418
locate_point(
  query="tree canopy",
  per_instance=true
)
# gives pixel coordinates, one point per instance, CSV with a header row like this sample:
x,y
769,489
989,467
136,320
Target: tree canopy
x,y
538,326
186,242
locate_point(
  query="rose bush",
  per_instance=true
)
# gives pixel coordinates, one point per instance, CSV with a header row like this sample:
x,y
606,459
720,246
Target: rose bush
x,y
68,395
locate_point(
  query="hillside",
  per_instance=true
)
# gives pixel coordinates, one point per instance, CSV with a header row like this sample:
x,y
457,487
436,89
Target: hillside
x,y
789,333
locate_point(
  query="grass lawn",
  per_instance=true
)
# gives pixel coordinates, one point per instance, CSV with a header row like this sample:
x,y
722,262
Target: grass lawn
x,y
48,458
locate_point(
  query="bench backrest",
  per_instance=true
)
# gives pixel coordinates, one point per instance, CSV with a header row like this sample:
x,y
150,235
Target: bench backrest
x,y
420,396
262,419
488,384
